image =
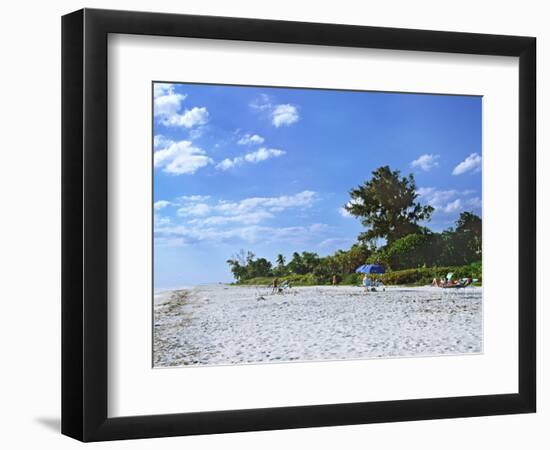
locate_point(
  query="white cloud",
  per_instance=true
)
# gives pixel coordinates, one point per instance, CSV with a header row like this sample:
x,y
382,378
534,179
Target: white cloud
x,y
161,220
275,204
189,118
159,141
228,163
196,133
180,158
426,162
249,234
335,242
168,105
194,198
284,115
161,204
262,154
262,103
166,100
248,210
472,162
254,157
249,218
449,201
202,219
436,197
474,202
251,139
453,206
279,114
344,212
194,209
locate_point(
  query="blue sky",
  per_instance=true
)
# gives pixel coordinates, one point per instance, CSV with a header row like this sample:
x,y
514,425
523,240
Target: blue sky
x,y
269,169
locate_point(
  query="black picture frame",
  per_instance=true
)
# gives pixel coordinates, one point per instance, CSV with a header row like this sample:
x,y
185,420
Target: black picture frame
x,y
84,224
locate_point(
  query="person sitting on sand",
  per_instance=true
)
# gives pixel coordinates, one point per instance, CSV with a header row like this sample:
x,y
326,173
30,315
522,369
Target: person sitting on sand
x,y
438,282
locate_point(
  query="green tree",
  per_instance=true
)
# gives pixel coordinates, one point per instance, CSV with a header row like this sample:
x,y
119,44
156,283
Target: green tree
x,y
260,267
310,260
467,238
358,255
387,206
296,265
238,264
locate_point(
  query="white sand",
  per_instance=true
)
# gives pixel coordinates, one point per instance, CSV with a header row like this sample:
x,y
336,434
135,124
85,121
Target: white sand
x,y
222,324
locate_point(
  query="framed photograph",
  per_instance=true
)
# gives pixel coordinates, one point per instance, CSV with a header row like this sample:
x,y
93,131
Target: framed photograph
x,y
273,224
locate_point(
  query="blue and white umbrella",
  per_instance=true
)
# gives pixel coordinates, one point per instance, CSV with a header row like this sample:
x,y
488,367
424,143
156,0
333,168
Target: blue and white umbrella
x,y
371,268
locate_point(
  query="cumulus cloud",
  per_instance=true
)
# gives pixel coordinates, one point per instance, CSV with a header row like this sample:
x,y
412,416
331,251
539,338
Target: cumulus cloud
x,y
254,157
168,108
251,139
283,114
166,100
425,162
471,163
180,157
189,118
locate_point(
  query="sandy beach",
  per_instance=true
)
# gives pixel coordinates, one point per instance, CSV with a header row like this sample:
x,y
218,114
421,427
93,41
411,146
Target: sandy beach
x,y
222,324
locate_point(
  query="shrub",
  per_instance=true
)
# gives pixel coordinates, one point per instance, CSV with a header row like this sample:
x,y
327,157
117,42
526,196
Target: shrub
x,y
424,275
352,279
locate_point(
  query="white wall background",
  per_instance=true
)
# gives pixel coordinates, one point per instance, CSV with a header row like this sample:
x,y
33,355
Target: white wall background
x,y
30,226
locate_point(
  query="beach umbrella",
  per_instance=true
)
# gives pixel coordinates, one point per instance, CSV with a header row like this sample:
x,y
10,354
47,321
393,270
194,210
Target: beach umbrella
x,y
370,268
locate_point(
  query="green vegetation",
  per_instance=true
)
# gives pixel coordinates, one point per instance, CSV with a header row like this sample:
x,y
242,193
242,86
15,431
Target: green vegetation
x,y
411,254
409,277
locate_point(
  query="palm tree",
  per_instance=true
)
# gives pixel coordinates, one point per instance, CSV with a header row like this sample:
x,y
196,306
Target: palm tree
x,y
280,260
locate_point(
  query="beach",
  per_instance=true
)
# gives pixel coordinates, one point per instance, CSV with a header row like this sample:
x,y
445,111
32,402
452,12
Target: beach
x,y
226,324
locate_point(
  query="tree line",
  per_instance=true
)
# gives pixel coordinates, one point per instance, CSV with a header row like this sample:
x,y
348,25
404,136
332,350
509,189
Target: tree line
x,y
387,205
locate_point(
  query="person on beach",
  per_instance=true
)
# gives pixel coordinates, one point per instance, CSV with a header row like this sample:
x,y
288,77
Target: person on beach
x,y
441,282
275,286
366,282
334,280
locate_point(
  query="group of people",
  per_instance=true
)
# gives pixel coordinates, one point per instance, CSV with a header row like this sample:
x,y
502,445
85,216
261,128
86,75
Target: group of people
x,y
449,282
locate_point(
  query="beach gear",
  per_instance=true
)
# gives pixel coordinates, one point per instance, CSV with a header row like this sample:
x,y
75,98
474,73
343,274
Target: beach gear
x,y
462,283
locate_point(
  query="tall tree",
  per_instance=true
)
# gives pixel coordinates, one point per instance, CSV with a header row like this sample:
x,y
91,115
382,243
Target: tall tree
x,y
387,206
